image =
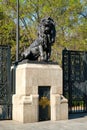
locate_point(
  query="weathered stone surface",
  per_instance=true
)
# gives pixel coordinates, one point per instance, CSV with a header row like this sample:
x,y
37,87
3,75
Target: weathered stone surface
x,y
25,101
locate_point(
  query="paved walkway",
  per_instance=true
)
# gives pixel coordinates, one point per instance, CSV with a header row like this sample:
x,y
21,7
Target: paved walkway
x,y
77,122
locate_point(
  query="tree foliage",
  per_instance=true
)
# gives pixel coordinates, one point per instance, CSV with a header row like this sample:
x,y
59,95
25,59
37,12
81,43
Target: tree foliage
x,y
70,17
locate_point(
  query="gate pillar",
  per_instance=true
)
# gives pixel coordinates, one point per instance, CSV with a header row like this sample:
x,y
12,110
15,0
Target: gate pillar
x,y
29,77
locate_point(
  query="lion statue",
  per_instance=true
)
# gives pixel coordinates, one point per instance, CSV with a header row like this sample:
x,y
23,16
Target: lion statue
x,y
41,47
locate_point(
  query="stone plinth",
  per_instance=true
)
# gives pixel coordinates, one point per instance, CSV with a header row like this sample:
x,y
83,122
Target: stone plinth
x,y
25,102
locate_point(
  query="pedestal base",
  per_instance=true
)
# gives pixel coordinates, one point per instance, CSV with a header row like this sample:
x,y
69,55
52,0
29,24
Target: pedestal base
x,y
26,100
25,108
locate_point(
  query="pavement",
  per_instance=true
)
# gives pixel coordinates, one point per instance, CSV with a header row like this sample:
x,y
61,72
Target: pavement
x,y
75,122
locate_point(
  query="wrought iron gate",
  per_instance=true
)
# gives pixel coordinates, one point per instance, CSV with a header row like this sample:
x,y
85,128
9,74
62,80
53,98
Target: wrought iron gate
x,y
75,80
5,90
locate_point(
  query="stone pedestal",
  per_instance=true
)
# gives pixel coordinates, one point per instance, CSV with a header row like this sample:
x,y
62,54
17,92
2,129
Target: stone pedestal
x,y
25,102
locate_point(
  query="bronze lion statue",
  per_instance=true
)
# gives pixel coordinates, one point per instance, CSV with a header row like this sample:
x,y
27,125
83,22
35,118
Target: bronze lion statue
x,y
41,47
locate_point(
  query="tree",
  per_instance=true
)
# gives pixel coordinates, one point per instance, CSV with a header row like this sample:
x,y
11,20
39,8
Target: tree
x,y
70,17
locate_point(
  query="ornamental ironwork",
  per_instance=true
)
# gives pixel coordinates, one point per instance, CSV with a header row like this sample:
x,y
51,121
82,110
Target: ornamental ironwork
x,y
5,88
75,80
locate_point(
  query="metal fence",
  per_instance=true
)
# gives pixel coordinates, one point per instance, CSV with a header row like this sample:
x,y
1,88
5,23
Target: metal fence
x,y
5,87
75,80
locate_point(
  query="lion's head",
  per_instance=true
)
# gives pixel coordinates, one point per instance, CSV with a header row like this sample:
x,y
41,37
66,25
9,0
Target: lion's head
x,y
47,27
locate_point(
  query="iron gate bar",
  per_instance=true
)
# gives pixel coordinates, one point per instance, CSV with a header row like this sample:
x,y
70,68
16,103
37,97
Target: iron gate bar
x,y
75,79
5,88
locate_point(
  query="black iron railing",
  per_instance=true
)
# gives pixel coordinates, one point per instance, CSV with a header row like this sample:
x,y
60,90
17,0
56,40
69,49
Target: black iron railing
x,y
75,80
5,87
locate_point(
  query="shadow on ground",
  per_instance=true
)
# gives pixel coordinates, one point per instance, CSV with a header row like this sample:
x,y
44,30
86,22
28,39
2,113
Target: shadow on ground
x,y
77,115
